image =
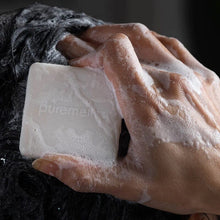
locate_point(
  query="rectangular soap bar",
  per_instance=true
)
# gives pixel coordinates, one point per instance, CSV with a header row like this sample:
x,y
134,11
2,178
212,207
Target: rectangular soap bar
x,y
69,110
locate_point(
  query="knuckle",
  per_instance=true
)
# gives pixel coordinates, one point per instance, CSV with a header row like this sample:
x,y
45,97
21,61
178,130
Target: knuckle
x,y
139,27
136,28
117,40
120,36
174,40
139,30
211,76
176,43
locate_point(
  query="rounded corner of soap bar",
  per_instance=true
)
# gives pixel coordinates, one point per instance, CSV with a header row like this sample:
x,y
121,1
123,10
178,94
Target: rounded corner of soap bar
x,y
33,68
23,151
34,65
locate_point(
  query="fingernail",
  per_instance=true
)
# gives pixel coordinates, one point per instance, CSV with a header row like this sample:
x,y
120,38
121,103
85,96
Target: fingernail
x,y
45,166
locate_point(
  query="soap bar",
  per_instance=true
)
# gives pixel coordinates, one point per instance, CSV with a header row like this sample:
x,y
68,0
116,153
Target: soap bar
x,y
70,110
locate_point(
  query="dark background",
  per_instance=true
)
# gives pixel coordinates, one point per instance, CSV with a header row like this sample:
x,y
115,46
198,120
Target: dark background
x,y
193,22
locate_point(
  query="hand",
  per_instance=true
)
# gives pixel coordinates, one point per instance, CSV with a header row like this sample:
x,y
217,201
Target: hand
x,y
170,103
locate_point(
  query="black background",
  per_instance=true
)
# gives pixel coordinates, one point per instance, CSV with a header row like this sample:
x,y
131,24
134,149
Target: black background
x,y
193,22
37,196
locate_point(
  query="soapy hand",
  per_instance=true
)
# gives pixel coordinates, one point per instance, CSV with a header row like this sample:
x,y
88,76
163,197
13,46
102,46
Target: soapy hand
x,y
170,103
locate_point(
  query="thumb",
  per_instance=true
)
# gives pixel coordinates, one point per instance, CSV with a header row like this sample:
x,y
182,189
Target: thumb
x,y
84,175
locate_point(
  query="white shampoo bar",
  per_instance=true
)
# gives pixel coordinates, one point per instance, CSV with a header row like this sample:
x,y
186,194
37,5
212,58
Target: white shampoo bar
x,y
69,110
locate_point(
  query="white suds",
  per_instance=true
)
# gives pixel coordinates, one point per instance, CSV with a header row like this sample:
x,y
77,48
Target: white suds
x,y
179,68
146,78
3,160
163,78
144,198
191,130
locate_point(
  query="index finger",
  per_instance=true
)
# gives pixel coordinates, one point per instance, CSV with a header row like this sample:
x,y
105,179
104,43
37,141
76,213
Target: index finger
x,y
133,86
71,47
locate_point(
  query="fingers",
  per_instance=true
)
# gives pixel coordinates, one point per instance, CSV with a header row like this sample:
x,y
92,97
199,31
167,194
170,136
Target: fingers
x,y
146,45
169,85
84,175
72,47
175,47
150,47
181,53
133,86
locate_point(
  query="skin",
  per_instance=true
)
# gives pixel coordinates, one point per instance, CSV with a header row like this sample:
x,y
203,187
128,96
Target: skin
x,y
171,176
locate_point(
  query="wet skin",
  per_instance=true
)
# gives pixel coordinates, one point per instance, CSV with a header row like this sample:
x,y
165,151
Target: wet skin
x,y
179,173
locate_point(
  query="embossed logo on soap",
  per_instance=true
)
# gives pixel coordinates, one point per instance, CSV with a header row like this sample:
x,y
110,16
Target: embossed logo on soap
x,y
68,110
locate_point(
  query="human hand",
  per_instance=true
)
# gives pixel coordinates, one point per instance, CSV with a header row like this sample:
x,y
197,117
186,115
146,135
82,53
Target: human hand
x,y
170,105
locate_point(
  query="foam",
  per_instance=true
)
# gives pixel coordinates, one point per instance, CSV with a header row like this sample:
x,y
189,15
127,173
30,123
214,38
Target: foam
x,y
145,197
176,66
2,159
182,127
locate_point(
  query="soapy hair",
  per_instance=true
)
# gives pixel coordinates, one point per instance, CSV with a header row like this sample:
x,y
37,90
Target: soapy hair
x,y
30,35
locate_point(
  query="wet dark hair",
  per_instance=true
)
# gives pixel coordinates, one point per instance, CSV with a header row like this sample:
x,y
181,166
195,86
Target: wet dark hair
x,y
26,36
